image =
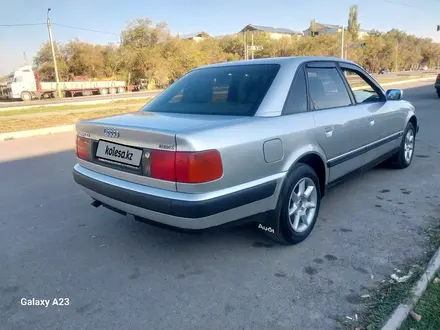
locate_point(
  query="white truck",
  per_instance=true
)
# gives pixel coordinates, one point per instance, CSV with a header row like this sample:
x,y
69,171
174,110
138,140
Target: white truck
x,y
25,84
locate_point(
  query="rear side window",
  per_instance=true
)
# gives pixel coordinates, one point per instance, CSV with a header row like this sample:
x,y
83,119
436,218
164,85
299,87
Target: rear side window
x,y
232,91
297,99
327,89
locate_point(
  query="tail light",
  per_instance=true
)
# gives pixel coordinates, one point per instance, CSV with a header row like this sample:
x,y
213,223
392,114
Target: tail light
x,y
438,77
162,165
185,167
198,167
83,147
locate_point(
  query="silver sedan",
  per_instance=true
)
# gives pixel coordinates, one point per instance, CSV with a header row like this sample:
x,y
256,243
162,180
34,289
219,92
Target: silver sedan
x,y
258,140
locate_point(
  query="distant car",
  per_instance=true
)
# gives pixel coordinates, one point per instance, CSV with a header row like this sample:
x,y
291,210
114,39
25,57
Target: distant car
x,y
258,140
437,85
383,71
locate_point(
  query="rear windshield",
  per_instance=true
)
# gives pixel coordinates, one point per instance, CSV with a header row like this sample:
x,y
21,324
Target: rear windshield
x,y
232,90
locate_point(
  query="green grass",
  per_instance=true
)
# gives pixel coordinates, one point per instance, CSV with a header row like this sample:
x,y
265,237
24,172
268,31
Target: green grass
x,y
388,296
72,107
429,308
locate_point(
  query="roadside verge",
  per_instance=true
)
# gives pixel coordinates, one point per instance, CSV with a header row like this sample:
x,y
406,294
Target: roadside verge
x,y
401,312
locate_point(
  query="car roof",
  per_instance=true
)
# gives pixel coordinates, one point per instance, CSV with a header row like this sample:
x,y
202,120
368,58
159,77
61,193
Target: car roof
x,y
279,60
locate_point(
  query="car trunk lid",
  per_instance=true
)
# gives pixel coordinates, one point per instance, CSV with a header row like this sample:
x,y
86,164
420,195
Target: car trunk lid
x,y
122,144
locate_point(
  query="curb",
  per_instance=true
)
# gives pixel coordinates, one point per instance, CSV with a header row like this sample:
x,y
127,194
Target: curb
x,y
401,312
36,132
67,128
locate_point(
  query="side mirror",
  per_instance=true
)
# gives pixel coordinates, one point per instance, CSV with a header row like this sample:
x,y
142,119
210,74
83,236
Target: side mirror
x,y
394,94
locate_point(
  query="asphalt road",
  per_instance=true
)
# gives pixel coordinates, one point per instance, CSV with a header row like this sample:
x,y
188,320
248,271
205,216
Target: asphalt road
x,y
121,274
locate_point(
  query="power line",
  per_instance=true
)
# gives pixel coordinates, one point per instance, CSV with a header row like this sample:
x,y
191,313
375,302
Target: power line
x,y
18,25
400,4
404,5
60,25
84,29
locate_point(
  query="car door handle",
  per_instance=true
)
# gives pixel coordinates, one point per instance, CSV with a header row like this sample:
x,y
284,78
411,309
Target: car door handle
x,y
329,131
371,121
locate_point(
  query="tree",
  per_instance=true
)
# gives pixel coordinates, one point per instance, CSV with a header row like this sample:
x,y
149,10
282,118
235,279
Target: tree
x,y
85,59
353,25
233,47
150,52
43,62
142,46
312,27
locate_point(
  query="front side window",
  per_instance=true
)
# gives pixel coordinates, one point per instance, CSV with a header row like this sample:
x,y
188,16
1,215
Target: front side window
x,y
363,90
327,89
18,79
230,90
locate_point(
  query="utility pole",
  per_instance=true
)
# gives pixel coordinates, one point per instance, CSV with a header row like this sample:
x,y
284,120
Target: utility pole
x,y
53,54
244,45
252,48
25,58
397,54
342,42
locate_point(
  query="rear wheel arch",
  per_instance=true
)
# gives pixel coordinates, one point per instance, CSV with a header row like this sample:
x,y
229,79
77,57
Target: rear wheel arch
x,y
315,161
279,220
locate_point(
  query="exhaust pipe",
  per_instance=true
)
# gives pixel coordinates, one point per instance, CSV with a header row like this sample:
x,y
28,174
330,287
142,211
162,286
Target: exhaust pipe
x,y
96,203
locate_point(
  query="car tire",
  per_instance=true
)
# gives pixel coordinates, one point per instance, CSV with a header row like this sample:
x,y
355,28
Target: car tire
x,y
285,231
405,155
438,92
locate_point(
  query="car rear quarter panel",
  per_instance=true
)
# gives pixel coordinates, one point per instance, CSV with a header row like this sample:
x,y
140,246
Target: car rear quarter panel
x,y
241,149
273,102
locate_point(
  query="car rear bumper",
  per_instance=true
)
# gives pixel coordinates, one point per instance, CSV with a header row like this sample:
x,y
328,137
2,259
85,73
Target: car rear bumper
x,y
181,210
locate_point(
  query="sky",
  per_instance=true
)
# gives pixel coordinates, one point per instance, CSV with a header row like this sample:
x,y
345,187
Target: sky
x,y
187,16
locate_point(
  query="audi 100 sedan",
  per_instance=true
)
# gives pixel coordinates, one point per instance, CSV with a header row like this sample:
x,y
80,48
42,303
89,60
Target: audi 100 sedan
x,y
258,140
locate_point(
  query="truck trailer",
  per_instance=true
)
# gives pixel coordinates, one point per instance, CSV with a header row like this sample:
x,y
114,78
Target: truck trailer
x,y
25,84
